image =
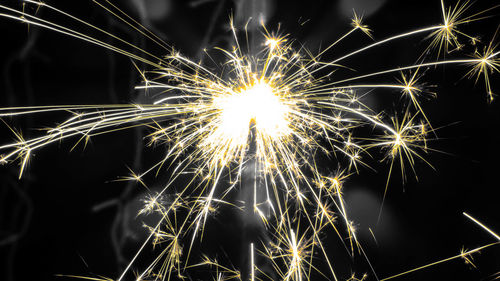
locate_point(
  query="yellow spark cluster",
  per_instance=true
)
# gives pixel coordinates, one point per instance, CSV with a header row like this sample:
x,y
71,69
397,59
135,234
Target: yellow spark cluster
x,y
277,109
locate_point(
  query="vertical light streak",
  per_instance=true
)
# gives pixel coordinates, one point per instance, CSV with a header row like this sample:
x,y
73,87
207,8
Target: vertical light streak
x,y
252,263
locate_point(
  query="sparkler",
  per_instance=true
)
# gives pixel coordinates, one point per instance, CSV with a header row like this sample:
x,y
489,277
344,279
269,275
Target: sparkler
x,y
286,104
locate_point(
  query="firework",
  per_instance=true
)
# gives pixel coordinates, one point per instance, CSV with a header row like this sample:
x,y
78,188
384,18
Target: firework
x,y
267,113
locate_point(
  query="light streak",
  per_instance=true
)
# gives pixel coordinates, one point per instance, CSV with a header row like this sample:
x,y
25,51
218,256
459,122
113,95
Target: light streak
x,y
252,263
463,255
482,225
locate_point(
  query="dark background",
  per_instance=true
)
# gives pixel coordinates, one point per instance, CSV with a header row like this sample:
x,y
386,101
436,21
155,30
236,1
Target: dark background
x,y
68,216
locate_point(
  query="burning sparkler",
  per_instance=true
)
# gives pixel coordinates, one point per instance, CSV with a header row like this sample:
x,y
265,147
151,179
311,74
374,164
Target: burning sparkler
x,y
276,109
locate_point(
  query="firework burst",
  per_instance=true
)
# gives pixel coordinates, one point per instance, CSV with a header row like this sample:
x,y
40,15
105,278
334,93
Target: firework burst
x,y
271,111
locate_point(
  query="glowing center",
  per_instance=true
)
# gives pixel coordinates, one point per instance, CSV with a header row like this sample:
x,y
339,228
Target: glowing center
x,y
259,104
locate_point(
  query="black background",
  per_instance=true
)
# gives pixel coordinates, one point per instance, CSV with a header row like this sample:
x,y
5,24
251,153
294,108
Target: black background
x,y
58,218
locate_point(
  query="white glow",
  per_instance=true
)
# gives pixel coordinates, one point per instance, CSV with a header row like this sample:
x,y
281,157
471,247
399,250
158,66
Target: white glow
x,y
259,104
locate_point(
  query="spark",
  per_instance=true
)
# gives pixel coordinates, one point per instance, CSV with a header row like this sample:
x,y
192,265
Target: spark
x,y
357,23
278,109
486,63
